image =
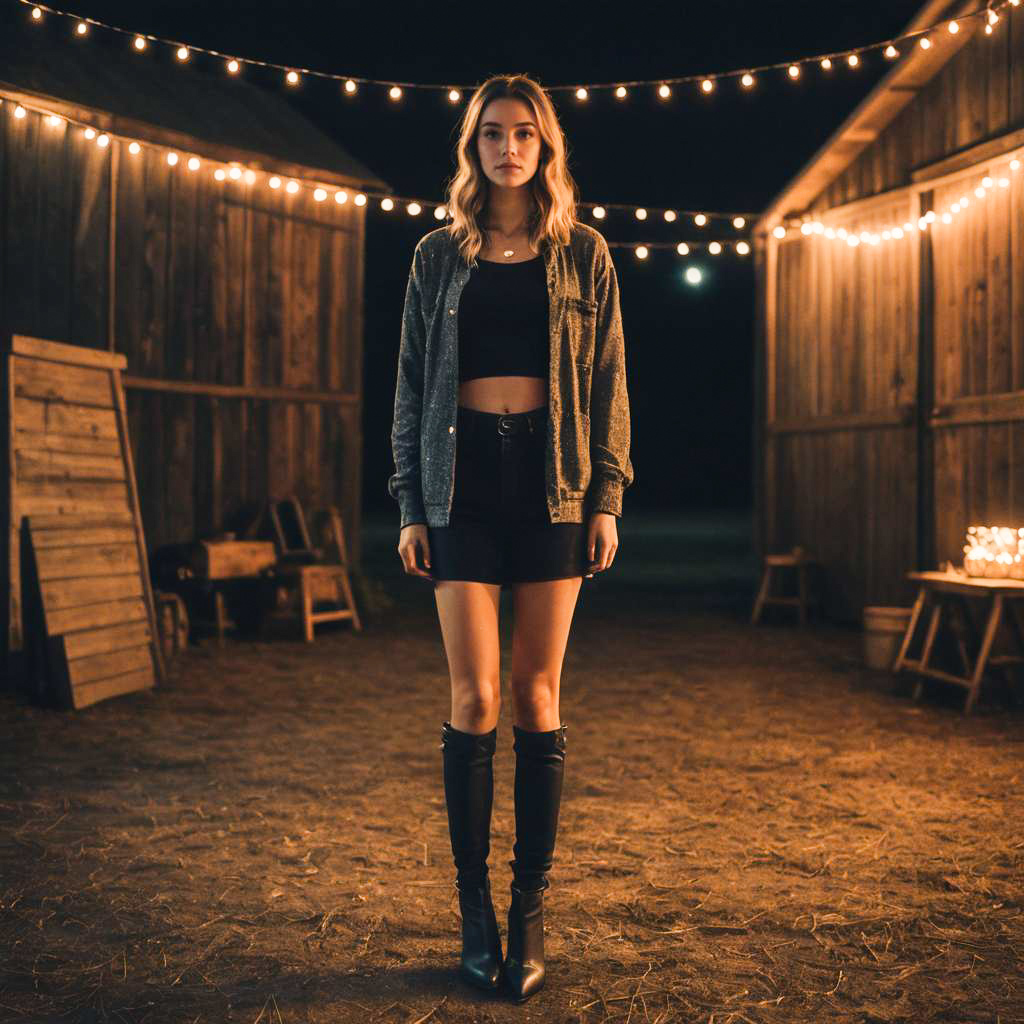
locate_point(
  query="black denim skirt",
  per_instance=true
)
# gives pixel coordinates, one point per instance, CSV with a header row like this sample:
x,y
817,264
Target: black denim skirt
x,y
499,529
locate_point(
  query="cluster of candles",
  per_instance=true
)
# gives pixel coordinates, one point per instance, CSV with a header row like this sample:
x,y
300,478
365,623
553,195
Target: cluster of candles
x,y
995,551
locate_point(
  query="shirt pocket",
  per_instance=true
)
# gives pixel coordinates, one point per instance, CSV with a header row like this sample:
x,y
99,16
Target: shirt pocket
x,y
582,320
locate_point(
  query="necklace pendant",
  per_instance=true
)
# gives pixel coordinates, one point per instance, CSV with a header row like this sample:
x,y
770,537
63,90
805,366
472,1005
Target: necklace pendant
x,y
509,252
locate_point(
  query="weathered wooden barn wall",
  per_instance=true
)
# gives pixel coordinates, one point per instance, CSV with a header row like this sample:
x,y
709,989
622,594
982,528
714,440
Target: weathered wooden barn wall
x,y
893,389
239,310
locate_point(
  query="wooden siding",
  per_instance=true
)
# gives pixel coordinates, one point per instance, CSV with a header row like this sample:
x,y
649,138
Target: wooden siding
x,y
196,282
893,380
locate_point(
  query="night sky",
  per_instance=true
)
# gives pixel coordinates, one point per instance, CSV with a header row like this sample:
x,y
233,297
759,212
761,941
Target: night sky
x,y
689,349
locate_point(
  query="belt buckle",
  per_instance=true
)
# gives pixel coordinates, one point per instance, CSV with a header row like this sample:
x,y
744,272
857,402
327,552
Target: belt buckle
x,y
503,422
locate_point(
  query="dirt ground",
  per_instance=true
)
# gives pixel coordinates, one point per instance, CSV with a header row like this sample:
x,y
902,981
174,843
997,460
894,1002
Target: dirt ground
x,y
754,826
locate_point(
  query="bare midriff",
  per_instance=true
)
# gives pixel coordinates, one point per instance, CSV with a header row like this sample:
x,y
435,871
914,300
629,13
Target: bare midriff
x,y
504,394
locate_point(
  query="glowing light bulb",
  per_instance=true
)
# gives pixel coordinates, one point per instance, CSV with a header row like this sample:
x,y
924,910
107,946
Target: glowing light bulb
x,y
925,43
986,182
670,215
193,163
413,209
747,80
599,212
81,28
794,71
1014,165
350,86
700,220
360,199
742,248
140,43
805,228
930,216
830,232
172,158
692,276
1004,182
395,92
182,53
715,248
641,214
219,174
947,218
682,248
274,182
852,240
454,95
440,213
233,66
341,197
36,13
891,51
842,233
779,232
707,85
235,172
897,232
992,16
292,186
292,78
103,141
664,91
54,121
89,133
853,60
581,93
620,93
250,176
826,64
319,194
641,252
953,28
134,148
739,222
979,192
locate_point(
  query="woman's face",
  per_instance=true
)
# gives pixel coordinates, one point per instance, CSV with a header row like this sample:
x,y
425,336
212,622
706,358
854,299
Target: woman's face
x,y
508,134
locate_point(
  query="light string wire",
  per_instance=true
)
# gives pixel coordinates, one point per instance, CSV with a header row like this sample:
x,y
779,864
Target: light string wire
x,y
707,81
321,191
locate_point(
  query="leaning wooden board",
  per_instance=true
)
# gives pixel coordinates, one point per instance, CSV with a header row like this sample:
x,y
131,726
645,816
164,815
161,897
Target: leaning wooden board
x,y
74,512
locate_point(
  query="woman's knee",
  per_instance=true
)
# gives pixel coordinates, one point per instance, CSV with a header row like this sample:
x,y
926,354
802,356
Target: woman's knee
x,y
476,703
535,697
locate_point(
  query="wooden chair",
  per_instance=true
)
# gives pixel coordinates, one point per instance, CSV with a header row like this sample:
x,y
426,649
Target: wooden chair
x,y
314,574
796,559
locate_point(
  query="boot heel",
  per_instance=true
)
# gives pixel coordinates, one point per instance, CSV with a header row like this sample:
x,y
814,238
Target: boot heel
x,y
480,962
524,970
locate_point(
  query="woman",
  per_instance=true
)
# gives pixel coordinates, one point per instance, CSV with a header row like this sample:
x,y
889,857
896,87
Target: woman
x,y
511,448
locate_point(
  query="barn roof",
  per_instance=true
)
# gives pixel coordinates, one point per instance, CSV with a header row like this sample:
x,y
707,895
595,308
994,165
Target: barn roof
x,y
877,110
227,117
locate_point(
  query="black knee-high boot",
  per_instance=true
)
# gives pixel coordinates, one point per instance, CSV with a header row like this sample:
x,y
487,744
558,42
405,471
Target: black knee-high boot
x,y
468,760
540,763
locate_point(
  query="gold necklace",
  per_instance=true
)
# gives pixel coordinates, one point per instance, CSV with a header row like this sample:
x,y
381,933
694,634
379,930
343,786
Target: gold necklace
x,y
509,253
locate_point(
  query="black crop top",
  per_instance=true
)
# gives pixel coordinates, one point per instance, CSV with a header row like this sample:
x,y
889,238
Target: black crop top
x,y
503,320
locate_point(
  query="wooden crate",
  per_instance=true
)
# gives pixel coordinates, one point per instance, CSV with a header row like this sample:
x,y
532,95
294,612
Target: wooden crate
x,y
73,513
230,559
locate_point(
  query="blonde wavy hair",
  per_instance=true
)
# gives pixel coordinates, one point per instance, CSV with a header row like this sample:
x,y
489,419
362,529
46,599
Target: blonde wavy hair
x,y
554,190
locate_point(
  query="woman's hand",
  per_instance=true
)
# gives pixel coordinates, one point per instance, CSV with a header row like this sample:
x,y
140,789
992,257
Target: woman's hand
x,y
413,538
602,535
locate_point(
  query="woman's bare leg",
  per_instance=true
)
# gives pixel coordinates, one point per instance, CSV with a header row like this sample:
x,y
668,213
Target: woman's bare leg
x,y
543,615
468,613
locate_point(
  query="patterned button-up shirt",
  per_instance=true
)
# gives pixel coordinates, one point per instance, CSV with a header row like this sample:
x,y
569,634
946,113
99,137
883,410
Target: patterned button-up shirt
x,y
587,465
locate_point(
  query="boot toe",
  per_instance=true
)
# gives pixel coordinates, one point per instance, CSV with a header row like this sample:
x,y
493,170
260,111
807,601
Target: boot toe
x,y
481,972
523,980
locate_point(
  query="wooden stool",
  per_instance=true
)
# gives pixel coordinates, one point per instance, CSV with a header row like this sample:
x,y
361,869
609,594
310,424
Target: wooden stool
x,y
795,559
310,574
171,621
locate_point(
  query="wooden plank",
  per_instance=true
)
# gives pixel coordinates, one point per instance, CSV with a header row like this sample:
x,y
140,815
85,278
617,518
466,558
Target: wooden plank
x,y
79,562
58,418
74,593
65,538
233,391
50,465
73,385
130,682
93,616
70,497
151,354
103,666
39,441
87,521
108,638
72,355
88,285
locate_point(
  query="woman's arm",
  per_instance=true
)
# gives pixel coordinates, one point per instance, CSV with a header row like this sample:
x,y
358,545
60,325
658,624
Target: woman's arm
x,y
405,484
611,469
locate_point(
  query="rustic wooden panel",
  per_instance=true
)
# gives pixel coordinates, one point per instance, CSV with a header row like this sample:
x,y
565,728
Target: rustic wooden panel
x,y
104,666
72,385
115,686
23,254
106,639
62,563
39,441
182,267
39,416
90,204
73,593
130,233
51,465
93,616
54,238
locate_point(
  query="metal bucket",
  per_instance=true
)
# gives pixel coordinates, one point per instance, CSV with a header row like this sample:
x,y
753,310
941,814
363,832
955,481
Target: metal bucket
x,y
884,629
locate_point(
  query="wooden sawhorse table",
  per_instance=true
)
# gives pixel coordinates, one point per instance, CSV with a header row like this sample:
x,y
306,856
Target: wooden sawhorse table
x,y
949,593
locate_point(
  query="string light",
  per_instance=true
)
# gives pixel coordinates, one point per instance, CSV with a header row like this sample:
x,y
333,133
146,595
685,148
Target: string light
x,y
320,192
707,82
924,222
